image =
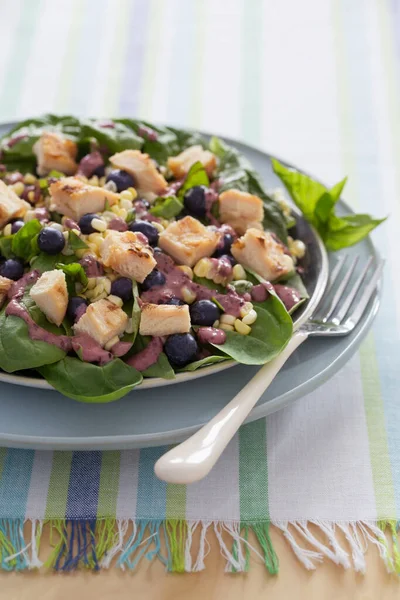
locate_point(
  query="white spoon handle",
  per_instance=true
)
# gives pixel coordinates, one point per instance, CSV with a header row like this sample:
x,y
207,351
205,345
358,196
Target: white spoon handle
x,y
194,458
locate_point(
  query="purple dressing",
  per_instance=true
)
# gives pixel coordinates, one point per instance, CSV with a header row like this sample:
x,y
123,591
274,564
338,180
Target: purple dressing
x,y
15,308
80,311
147,357
147,133
14,178
70,224
106,124
222,266
121,348
42,214
90,163
174,187
91,266
16,139
176,279
207,335
289,296
36,193
118,224
259,293
90,350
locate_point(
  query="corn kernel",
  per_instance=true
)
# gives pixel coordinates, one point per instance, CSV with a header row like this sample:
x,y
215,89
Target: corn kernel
x,y
110,185
107,285
95,238
18,188
93,248
101,296
115,207
31,196
91,283
80,253
202,268
29,215
89,294
29,179
297,248
187,270
122,213
227,319
102,181
238,272
57,226
94,180
129,327
164,222
126,204
241,327
7,229
188,296
250,318
115,300
226,327
67,251
99,224
158,226
111,343
65,235
246,308
216,323
126,195
133,192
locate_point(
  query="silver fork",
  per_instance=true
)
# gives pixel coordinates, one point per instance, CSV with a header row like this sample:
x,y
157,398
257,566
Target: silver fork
x,y
337,314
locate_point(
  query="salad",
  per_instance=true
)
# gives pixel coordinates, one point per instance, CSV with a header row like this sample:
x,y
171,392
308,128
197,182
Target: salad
x,y
131,251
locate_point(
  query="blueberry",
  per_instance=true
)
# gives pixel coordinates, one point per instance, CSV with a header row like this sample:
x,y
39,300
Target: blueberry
x,y
181,349
16,225
76,308
85,223
12,268
51,240
147,229
99,171
195,200
204,312
122,179
154,279
224,247
122,288
174,302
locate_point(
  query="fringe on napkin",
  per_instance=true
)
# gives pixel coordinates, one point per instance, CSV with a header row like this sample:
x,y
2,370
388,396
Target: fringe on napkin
x,y
182,546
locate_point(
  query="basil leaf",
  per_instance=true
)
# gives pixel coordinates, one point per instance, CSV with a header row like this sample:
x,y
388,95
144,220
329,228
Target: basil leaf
x,y
317,203
197,175
75,242
5,246
168,207
23,242
91,383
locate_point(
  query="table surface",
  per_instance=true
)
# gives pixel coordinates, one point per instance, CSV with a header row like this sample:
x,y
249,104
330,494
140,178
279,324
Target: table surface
x,y
150,581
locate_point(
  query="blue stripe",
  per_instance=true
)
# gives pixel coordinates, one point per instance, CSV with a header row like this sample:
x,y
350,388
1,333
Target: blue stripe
x,y
87,57
132,75
15,482
182,57
152,493
84,481
371,199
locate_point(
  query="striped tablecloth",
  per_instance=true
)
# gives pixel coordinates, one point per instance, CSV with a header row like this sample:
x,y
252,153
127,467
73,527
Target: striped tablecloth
x,y
316,82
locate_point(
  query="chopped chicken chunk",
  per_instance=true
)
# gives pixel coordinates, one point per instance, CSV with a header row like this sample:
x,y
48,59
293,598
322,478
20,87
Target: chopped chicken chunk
x,y
164,319
187,240
180,165
241,210
127,255
54,151
143,170
74,198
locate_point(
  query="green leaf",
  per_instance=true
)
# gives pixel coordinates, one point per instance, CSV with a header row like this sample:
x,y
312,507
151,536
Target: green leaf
x,y
218,304
317,203
5,246
135,315
91,383
75,242
269,335
74,272
114,139
197,175
23,242
47,262
168,208
208,283
204,362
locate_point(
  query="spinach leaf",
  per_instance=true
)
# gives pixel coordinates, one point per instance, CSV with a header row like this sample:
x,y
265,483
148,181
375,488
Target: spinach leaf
x,y
47,262
208,283
91,383
132,309
269,335
197,175
204,362
317,203
296,282
74,272
24,244
5,246
75,242
114,139
168,207
161,368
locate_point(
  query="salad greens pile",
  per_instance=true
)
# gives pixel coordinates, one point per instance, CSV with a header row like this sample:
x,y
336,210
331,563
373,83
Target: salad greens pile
x,y
272,330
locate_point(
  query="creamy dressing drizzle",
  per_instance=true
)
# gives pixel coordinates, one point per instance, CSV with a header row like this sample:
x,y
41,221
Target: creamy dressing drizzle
x,y
147,357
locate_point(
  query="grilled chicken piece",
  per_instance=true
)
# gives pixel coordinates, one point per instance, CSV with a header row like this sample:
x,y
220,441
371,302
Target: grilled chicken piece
x,y
187,240
127,255
164,319
74,198
54,151
51,295
11,205
5,285
259,251
241,210
180,165
102,321
143,170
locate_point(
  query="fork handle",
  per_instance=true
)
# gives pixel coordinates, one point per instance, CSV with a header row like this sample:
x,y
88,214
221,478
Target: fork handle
x,y
194,458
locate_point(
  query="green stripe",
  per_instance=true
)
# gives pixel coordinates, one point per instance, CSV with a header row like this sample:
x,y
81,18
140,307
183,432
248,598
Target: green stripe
x,y
109,484
58,487
175,506
379,450
112,90
156,13
21,49
253,472
66,91
251,67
